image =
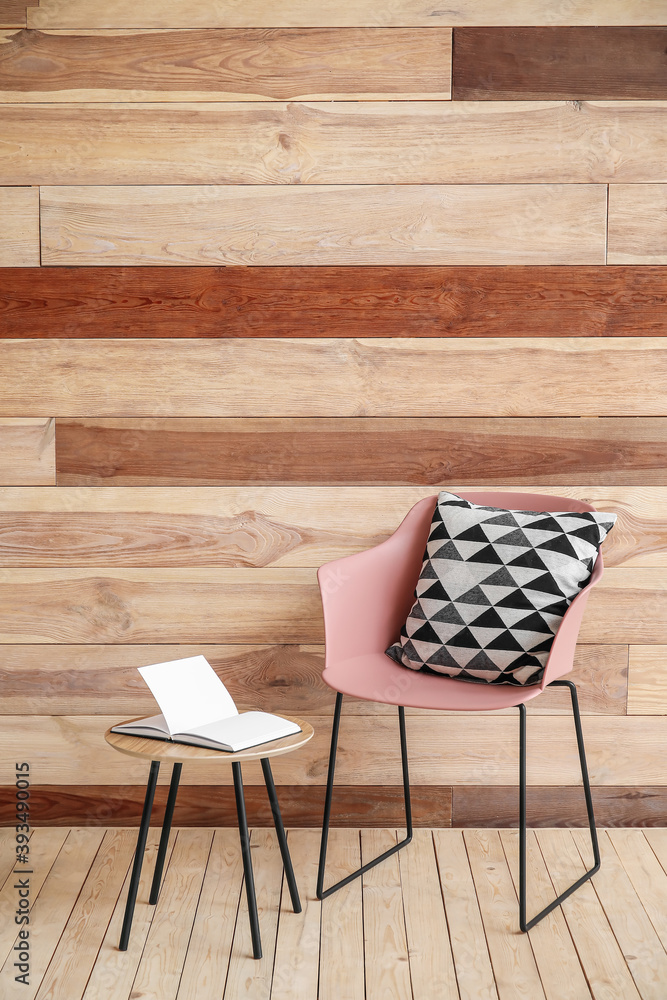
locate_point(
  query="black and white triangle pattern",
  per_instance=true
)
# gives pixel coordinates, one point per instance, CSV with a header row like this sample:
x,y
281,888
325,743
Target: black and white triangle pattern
x,y
494,587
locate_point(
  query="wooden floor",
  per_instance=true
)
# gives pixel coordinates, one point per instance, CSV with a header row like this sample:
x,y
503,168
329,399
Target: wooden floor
x,y
391,938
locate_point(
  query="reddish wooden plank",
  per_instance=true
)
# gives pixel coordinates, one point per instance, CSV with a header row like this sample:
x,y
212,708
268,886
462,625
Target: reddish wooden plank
x,y
573,63
559,805
301,806
616,301
361,451
227,63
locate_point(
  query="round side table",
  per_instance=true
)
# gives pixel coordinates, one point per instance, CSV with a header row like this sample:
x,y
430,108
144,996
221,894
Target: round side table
x,y
178,754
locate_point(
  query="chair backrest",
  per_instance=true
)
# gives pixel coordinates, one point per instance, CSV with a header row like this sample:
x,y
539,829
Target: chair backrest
x,y
366,597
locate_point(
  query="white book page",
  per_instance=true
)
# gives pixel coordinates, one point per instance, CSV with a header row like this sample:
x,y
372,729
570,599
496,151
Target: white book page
x,y
189,693
245,730
158,723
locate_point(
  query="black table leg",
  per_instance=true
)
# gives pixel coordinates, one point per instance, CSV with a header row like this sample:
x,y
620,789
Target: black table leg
x,y
282,839
166,830
247,860
139,855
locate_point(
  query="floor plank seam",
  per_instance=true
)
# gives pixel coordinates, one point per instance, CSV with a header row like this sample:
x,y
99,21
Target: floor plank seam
x,y
479,908
106,931
405,922
194,919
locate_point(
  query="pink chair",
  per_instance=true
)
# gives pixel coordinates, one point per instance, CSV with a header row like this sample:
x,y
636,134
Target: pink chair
x,y
366,598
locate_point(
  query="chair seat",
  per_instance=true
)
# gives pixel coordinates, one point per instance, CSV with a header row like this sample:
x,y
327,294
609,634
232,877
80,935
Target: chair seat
x,y
376,677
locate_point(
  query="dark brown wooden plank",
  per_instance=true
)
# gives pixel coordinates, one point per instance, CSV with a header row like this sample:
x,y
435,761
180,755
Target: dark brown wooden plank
x,y
559,805
361,451
468,806
616,301
301,806
13,13
84,680
581,63
226,64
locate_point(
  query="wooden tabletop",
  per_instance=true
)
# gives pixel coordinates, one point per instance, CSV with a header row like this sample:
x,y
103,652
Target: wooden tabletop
x,y
181,753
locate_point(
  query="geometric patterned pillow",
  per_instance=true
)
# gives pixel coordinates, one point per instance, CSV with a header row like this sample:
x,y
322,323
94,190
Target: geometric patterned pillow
x,y
494,587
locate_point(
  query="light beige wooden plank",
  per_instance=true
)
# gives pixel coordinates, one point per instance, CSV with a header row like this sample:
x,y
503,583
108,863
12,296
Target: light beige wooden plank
x,y
377,377
469,948
644,858
297,961
455,749
344,142
19,239
249,977
640,533
161,964
170,605
54,904
255,606
385,943
307,13
514,966
207,958
429,950
637,224
8,855
556,957
342,933
114,971
265,525
599,952
75,956
641,946
208,66
45,844
647,685
228,526
635,596
324,224
27,451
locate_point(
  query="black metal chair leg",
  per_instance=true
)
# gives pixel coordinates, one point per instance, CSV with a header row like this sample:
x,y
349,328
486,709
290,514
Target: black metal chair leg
x,y
282,839
247,861
139,855
523,923
166,830
322,893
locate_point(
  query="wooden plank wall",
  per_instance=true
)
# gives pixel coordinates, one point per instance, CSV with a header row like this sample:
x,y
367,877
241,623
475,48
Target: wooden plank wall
x,y
269,274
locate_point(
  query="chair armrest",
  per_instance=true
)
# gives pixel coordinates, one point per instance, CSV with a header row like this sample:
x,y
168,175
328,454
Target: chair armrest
x,y
561,657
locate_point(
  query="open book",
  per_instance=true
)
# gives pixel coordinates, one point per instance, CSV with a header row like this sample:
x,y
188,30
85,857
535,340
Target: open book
x,y
198,709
